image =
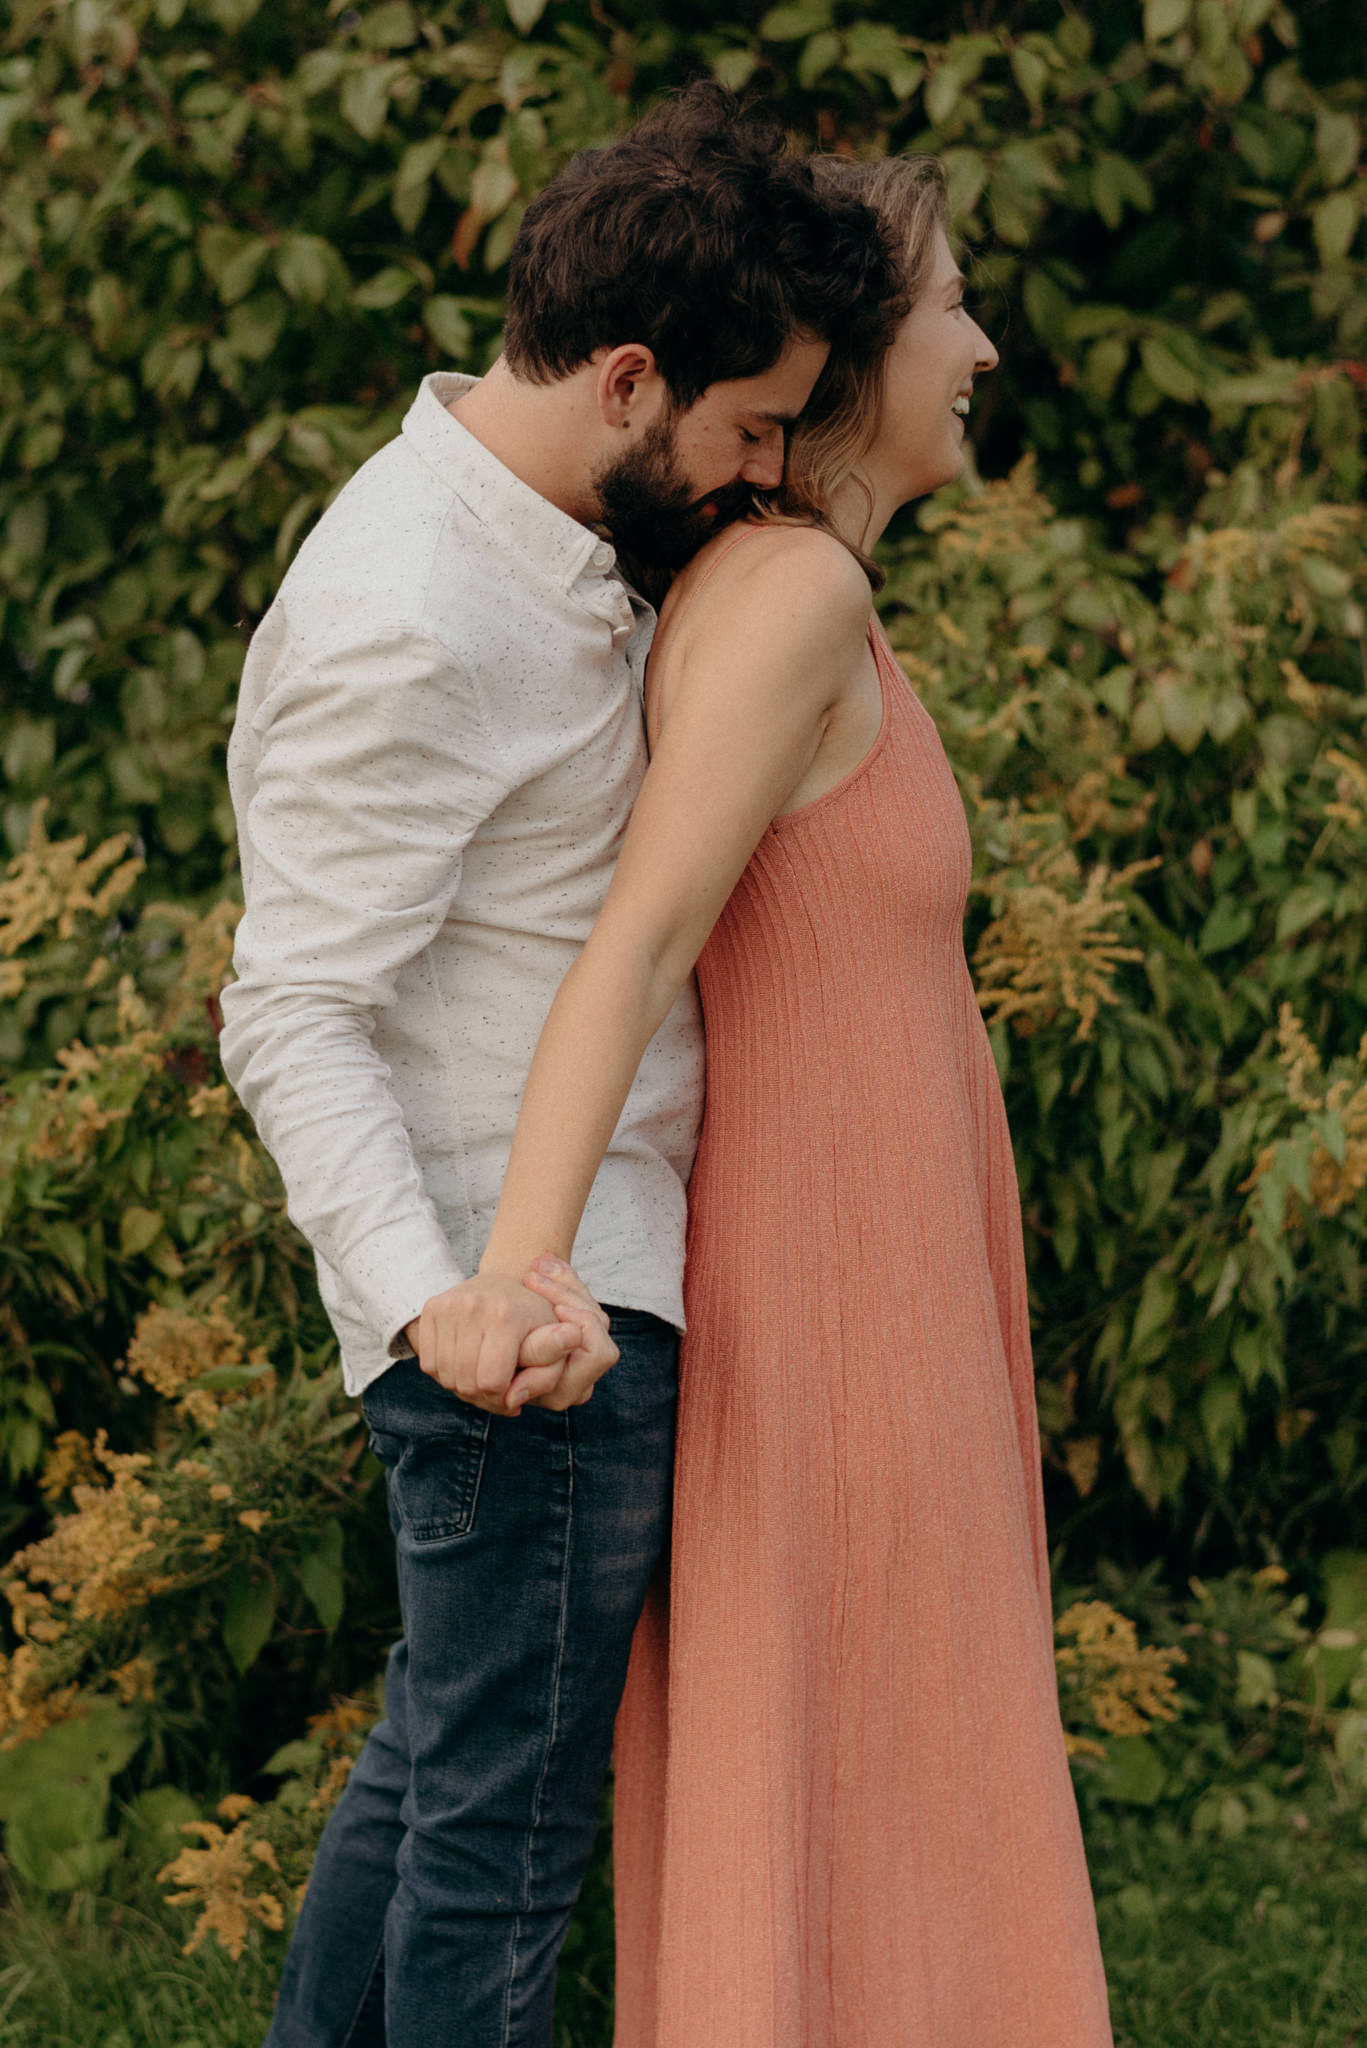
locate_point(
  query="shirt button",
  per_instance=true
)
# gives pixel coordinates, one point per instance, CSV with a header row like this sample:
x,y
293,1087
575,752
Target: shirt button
x,y
602,556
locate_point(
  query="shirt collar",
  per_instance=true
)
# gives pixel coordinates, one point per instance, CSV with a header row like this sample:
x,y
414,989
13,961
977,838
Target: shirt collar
x,y
520,517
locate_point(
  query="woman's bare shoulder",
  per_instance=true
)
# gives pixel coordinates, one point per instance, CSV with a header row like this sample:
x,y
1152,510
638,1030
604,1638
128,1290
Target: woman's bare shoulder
x,y
798,573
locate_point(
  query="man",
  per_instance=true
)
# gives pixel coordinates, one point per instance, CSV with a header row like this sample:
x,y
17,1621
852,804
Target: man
x,y
438,742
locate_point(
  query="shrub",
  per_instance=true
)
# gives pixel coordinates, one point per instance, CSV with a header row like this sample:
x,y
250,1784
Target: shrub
x,y
1162,757
235,236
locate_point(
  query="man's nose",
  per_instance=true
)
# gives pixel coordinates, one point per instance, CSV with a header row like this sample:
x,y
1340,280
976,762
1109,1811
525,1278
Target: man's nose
x,y
764,468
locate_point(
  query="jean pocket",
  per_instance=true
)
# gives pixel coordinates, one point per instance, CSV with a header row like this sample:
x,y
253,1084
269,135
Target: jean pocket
x,y
434,1479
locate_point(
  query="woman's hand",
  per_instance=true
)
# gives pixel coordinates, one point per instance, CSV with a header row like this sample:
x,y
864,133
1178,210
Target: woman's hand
x,y
575,1308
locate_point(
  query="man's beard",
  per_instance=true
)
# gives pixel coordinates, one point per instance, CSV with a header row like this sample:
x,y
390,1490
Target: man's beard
x,y
647,506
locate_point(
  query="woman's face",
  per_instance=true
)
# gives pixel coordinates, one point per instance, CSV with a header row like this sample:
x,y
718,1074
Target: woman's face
x,y
939,349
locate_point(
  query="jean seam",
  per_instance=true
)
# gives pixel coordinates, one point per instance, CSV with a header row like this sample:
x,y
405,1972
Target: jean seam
x,y
554,1721
350,2033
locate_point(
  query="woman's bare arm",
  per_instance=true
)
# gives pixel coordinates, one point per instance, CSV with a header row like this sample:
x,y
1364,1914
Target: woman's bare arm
x,y
769,647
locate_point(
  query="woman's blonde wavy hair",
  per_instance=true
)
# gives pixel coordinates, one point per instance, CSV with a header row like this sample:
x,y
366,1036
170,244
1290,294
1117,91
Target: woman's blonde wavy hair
x,y
842,418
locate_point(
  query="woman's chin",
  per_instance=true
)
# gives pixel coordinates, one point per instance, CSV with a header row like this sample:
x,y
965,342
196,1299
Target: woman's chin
x,y
947,471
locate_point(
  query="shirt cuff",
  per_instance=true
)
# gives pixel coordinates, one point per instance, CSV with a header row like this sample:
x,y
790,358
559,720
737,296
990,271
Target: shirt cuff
x,y
396,1271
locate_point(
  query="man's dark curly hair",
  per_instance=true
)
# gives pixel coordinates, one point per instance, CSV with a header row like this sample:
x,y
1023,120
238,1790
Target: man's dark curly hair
x,y
701,234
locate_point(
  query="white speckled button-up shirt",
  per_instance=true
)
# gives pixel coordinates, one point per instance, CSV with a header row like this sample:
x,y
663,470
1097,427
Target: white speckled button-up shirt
x,y
438,740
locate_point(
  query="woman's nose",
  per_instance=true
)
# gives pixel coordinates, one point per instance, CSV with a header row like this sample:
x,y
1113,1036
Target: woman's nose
x,y
987,354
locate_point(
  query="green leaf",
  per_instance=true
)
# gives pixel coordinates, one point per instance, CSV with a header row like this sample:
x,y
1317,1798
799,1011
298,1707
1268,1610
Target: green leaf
x,y
1160,1180
965,176
248,1616
493,186
734,68
383,289
1335,222
1269,385
1153,1317
877,48
304,266
525,14
224,1379
253,328
790,23
1048,309
444,319
418,162
819,55
292,1757
1031,73
942,93
1222,1421
1104,365
319,1572
390,26
54,1796
365,98
1166,369
1257,1685
239,273
1133,1773
138,1228
1229,923
1163,18
68,1245
1304,905
1338,144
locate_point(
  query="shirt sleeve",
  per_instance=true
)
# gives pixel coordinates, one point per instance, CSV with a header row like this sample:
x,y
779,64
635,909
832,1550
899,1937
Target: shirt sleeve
x,y
375,769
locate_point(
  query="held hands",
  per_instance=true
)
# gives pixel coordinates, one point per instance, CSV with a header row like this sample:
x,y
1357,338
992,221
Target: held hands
x,y
494,1343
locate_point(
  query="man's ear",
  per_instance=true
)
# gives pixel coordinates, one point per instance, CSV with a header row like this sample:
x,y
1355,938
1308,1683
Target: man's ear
x,y
629,386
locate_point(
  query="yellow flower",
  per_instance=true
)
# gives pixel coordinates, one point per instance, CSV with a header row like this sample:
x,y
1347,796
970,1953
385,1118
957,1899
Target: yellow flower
x,y
1106,1678
215,1878
70,1460
135,1680
1052,947
54,882
171,1347
214,1101
254,1519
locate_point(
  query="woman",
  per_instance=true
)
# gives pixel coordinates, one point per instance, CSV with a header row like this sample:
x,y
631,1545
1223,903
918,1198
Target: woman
x,y
844,1817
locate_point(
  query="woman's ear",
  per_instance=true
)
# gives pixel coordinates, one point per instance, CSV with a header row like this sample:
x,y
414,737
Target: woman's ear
x,y
628,386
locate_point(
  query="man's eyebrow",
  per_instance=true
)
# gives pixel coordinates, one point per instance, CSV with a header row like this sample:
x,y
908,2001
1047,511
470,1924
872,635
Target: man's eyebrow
x,y
785,420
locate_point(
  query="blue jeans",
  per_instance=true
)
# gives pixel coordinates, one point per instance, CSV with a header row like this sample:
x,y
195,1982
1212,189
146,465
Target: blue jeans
x,y
446,1875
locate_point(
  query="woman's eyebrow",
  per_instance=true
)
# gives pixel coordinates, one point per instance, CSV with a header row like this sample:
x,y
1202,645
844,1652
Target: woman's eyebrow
x,y
955,283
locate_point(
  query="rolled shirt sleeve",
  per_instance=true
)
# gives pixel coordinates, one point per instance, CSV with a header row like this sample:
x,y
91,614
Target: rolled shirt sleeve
x,y
374,770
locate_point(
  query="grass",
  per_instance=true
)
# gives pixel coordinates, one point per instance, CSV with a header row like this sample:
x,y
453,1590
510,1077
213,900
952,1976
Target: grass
x,y
1249,1942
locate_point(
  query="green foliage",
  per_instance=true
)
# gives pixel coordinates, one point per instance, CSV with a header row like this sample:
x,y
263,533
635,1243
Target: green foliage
x,y
54,1797
1162,754
1271,1704
126,1166
235,236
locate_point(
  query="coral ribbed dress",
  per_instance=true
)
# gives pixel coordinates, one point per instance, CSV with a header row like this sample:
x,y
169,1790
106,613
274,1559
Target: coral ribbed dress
x,y
844,1817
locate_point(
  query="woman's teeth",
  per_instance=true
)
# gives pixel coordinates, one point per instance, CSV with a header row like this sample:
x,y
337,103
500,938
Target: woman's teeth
x,y
960,406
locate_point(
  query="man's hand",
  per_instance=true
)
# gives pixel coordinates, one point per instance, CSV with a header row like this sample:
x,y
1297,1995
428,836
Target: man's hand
x,y
561,1286
473,1338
